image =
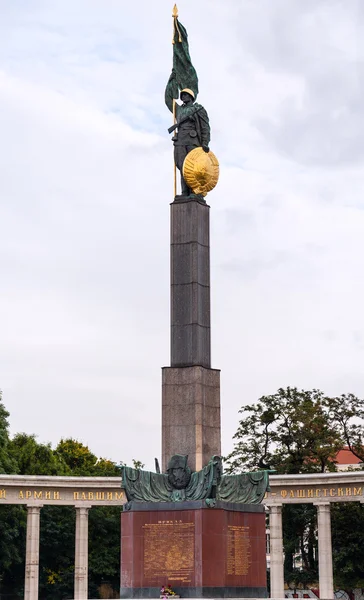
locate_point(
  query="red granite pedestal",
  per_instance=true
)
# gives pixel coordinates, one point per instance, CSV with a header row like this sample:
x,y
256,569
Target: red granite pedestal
x,y
200,552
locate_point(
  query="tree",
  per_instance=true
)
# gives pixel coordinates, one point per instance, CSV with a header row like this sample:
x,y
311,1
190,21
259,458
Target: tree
x,y
104,548
288,431
34,458
300,431
12,549
299,527
12,518
7,464
348,544
81,461
57,552
78,457
24,455
347,413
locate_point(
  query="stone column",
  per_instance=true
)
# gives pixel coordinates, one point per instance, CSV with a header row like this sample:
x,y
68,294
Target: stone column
x,y
81,553
276,552
190,284
326,583
190,388
190,415
32,554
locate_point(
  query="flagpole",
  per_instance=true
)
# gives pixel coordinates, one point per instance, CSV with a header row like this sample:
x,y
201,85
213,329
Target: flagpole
x,y
174,17
174,162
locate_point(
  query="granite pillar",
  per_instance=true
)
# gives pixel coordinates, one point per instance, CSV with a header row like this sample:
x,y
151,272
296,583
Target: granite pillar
x,y
276,552
326,583
190,414
190,284
81,554
31,584
190,388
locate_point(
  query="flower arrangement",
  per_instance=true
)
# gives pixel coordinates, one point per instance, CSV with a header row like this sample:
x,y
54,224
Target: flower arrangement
x,y
167,592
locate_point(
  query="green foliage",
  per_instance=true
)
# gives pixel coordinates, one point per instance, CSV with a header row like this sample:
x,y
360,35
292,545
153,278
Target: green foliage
x,y
137,464
7,464
289,431
299,527
300,579
297,431
78,457
106,468
12,548
347,413
24,455
57,552
33,458
81,461
347,524
104,547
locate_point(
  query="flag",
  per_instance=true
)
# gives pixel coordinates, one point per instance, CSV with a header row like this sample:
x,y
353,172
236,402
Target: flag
x,y
186,75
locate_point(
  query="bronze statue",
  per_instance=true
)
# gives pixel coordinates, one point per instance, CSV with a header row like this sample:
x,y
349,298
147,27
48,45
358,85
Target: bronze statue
x,y
179,484
192,129
191,125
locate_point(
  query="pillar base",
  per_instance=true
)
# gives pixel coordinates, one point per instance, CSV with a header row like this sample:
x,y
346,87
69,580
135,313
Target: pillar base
x,y
200,552
197,592
190,414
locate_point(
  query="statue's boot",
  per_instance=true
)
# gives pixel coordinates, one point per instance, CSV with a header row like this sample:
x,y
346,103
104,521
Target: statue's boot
x,y
186,191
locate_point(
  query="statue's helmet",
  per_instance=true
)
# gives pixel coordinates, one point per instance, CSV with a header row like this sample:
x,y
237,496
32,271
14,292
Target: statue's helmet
x,y
179,474
178,461
188,91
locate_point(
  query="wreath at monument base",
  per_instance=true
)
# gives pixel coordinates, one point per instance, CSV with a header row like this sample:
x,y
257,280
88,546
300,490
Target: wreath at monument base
x,y
167,592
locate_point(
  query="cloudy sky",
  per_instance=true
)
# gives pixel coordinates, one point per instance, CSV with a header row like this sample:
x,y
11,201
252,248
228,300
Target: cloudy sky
x,y
85,186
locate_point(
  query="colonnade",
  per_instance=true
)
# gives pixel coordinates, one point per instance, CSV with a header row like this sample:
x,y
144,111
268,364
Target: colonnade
x,y
326,583
32,553
276,552
319,489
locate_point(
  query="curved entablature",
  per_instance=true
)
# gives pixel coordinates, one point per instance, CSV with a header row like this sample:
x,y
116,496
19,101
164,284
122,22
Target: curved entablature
x,y
105,491
316,488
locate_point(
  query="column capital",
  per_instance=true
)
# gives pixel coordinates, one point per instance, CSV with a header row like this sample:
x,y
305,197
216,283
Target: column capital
x,y
34,507
274,508
83,507
322,506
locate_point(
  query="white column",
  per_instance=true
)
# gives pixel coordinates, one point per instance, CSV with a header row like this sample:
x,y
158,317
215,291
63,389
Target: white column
x,y
81,553
32,554
326,583
276,552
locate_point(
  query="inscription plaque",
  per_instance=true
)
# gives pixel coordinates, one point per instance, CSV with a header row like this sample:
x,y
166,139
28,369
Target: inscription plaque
x,y
210,551
239,558
169,551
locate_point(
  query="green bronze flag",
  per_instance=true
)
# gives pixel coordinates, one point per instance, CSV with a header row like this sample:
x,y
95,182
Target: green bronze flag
x,y
186,75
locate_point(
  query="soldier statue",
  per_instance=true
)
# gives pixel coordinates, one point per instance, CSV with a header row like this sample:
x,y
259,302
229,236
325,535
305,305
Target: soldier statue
x,y
192,128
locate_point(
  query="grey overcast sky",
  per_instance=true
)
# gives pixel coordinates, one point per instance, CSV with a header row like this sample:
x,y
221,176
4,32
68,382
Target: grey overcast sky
x,y
85,187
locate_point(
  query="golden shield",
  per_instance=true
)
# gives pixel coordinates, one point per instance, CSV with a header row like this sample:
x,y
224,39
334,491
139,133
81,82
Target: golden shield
x,y
201,171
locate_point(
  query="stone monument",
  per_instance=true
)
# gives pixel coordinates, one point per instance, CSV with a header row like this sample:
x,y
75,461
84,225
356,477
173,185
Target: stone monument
x,y
190,388
191,527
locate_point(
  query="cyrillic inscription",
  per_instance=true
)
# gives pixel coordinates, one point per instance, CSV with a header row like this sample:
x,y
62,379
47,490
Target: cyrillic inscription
x,y
63,496
169,551
238,550
322,492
